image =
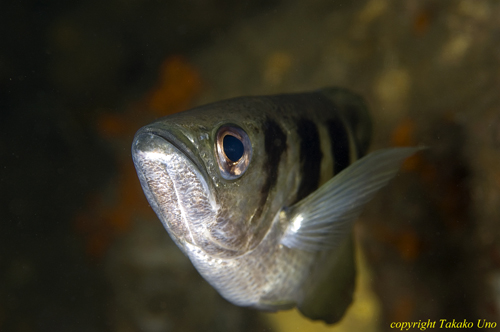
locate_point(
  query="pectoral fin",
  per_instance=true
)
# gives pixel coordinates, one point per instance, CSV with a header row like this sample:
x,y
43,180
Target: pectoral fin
x,y
325,217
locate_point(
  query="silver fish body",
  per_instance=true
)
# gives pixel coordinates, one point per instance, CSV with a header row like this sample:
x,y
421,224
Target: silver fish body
x,y
261,194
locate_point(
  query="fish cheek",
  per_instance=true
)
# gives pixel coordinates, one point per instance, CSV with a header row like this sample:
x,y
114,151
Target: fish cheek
x,y
237,202
235,226
229,233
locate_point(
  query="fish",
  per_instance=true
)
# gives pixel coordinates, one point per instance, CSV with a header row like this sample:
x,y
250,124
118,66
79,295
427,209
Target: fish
x,y
261,193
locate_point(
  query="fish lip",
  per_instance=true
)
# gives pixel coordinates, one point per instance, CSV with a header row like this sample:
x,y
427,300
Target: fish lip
x,y
178,144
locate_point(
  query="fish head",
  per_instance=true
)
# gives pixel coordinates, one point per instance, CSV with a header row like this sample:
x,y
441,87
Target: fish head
x,y
200,171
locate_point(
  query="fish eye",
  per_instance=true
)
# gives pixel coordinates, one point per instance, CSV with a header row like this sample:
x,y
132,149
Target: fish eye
x,y
234,151
233,148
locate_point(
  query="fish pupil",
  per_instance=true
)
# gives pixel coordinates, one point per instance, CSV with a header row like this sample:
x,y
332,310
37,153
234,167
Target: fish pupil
x,y
233,148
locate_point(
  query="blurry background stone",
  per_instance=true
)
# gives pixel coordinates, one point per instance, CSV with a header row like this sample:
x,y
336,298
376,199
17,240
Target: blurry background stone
x,y
80,250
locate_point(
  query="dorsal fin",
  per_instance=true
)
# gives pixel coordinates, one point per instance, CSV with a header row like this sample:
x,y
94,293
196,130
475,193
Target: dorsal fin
x,y
354,112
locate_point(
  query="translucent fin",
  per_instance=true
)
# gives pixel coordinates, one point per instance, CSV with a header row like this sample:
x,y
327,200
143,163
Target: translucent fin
x,y
322,219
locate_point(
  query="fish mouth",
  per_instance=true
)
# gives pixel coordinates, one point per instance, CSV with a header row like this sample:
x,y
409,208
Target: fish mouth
x,y
175,185
173,139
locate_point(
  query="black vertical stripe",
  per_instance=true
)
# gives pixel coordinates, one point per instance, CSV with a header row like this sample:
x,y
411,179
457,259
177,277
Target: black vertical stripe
x,y
360,124
310,157
275,144
339,140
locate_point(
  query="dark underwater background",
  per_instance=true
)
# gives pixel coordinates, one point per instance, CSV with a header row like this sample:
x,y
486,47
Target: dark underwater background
x,y
80,249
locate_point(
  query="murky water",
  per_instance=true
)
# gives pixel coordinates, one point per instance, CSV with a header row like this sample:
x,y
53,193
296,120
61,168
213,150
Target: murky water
x,y
82,251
